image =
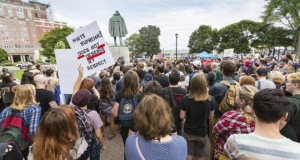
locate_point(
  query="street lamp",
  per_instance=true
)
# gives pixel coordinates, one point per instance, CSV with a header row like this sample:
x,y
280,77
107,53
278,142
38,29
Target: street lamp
x,y
176,35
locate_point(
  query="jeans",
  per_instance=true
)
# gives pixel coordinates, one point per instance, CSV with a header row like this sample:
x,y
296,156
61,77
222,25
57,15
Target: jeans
x,y
95,153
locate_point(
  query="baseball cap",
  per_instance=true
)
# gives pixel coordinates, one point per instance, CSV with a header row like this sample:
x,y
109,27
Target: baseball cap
x,y
197,63
148,77
243,69
261,71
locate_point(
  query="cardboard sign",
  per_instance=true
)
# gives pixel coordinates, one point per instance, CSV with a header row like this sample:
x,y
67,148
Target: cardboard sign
x,y
228,52
90,49
67,67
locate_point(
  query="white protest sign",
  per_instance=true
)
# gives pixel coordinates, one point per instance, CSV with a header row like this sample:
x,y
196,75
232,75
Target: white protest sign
x,y
228,52
67,66
90,49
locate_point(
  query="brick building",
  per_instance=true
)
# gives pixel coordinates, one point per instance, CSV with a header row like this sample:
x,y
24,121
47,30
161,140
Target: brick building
x,y
22,25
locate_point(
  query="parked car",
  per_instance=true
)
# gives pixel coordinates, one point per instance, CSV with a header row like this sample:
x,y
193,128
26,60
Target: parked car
x,y
24,64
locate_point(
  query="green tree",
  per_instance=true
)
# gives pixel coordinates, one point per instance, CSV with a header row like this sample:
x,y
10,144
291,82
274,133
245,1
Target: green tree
x,y
60,45
3,55
287,12
133,42
149,40
203,39
268,36
238,36
50,39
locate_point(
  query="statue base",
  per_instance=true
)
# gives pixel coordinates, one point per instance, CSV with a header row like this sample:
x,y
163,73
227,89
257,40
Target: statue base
x,y
118,51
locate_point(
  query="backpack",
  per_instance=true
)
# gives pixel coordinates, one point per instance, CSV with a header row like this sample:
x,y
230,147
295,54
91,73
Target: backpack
x,y
57,94
15,129
9,151
126,109
228,102
84,123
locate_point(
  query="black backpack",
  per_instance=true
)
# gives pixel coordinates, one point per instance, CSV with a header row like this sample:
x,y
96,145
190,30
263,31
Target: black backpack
x,y
174,104
9,151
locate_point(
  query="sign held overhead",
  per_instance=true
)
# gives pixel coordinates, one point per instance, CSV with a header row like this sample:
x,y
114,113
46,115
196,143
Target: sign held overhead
x,y
90,49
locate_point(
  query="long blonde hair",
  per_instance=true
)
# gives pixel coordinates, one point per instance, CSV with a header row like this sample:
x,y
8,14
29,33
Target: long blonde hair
x,y
247,92
198,88
24,96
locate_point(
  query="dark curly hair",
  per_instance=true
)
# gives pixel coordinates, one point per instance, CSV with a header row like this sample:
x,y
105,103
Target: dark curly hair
x,y
27,78
227,67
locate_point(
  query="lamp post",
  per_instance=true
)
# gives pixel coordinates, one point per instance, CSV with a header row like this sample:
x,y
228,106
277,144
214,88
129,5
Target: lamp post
x,y
176,35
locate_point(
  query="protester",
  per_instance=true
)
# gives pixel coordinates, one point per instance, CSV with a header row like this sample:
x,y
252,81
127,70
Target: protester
x,y
57,136
161,77
262,82
52,82
153,122
292,128
106,102
197,68
25,104
27,78
218,91
173,96
247,80
126,101
116,78
44,97
270,107
197,108
8,87
240,121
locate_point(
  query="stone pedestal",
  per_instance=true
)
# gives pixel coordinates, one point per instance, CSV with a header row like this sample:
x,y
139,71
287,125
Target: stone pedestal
x,y
118,51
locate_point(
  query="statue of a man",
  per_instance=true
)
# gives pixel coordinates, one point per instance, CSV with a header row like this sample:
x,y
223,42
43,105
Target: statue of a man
x,y
117,27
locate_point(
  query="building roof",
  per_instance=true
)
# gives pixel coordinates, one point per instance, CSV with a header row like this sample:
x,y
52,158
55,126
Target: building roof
x,y
37,2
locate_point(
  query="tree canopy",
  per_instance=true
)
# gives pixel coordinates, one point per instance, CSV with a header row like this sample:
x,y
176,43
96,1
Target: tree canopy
x,y
50,39
3,54
287,13
133,42
149,40
203,39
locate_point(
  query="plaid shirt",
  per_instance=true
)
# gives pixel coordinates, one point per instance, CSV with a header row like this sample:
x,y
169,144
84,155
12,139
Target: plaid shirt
x,y
32,115
232,122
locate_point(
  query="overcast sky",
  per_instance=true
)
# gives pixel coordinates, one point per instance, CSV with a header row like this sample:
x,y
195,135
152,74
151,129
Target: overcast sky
x,y
171,16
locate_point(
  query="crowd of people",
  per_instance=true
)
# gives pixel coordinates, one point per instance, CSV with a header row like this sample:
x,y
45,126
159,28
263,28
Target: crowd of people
x,y
245,108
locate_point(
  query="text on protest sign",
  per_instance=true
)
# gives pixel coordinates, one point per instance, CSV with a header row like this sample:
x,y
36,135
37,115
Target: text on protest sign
x,y
228,53
90,49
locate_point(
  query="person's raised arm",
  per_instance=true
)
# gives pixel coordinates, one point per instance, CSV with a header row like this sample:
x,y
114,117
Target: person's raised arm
x,y
79,78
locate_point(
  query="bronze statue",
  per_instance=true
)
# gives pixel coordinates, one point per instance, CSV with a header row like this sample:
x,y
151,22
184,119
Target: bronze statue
x,y
117,27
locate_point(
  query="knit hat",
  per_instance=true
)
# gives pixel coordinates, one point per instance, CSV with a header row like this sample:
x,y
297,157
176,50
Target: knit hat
x,y
81,98
261,71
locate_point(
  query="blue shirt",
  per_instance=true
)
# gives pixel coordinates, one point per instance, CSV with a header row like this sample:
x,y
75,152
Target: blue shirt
x,y
119,85
175,149
32,115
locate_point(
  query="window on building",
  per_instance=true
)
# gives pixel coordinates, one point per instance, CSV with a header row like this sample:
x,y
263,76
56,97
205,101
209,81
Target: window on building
x,y
39,15
0,6
10,14
43,23
32,28
38,7
1,13
9,8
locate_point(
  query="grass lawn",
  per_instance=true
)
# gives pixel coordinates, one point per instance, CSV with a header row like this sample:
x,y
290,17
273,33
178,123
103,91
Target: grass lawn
x,y
18,73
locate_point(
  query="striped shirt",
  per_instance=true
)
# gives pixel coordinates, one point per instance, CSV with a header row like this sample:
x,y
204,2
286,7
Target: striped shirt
x,y
253,146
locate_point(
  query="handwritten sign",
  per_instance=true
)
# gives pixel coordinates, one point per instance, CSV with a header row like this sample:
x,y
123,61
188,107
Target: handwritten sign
x,y
228,52
67,67
90,49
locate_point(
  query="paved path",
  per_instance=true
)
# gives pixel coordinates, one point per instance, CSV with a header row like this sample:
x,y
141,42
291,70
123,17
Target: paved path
x,y
115,149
